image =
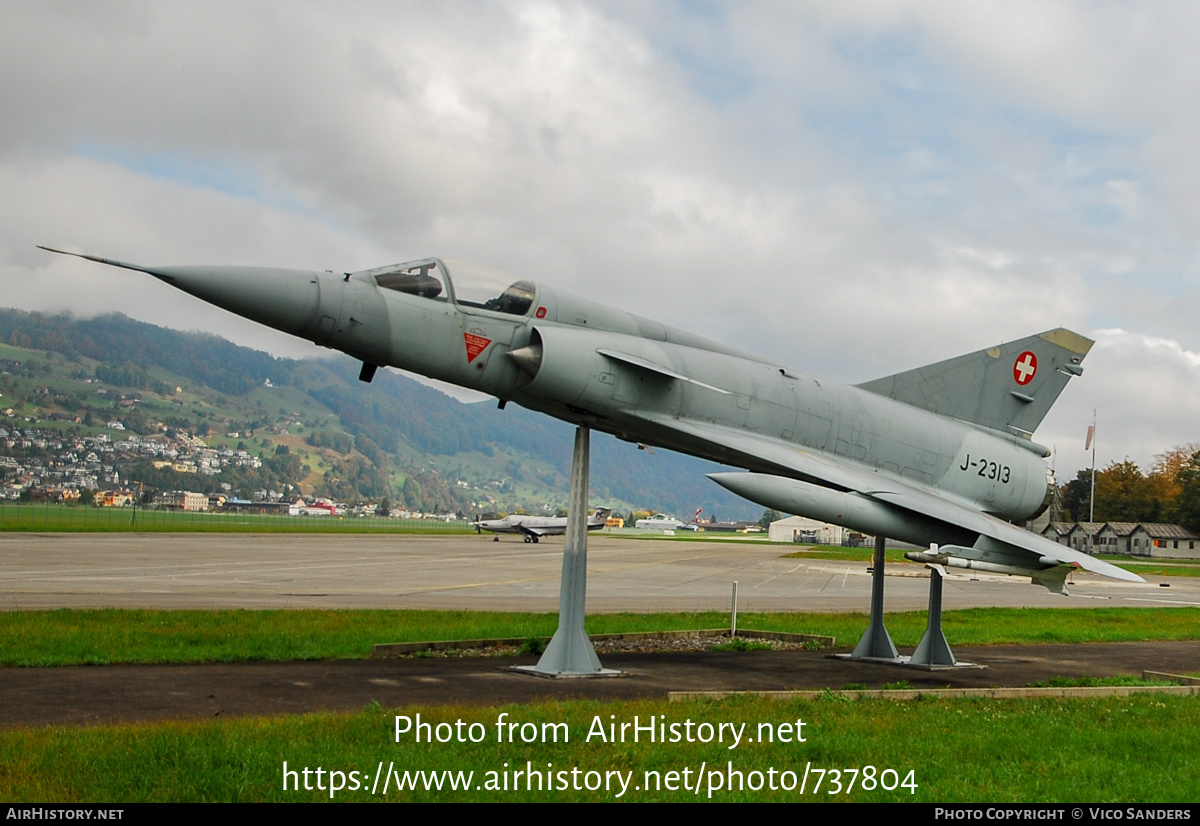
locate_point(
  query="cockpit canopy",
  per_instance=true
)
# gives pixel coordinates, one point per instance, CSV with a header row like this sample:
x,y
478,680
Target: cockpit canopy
x,y
412,280
473,286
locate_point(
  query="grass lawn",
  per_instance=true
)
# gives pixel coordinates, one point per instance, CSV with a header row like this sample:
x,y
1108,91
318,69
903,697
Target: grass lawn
x,y
1093,750
1158,567
1131,749
1069,750
97,637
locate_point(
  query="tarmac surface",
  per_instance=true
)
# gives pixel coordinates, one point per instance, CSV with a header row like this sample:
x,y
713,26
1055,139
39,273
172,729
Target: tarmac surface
x,y
474,573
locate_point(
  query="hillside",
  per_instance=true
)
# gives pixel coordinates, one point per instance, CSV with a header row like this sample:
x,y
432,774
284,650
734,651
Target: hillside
x,y
304,426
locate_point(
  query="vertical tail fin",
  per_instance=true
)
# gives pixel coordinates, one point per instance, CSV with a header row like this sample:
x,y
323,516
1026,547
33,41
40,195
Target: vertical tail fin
x,y
1009,387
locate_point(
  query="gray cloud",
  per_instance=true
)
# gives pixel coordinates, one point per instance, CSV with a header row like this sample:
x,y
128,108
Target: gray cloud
x,y
854,189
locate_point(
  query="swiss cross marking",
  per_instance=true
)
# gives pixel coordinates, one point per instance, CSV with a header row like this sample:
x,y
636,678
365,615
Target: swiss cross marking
x,y
1025,368
475,345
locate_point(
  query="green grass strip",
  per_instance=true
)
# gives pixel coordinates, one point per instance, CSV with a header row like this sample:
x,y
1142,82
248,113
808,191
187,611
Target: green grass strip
x,y
1095,750
852,554
83,637
1162,570
58,518
1180,567
1099,682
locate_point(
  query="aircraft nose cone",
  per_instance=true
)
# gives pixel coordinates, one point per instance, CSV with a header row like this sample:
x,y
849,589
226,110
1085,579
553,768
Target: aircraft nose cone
x,y
284,299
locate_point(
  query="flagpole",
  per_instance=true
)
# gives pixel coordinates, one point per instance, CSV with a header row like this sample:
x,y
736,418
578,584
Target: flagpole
x,y
1092,508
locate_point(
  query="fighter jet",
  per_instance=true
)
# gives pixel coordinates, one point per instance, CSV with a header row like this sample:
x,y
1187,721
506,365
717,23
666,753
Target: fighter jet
x,y
535,527
942,454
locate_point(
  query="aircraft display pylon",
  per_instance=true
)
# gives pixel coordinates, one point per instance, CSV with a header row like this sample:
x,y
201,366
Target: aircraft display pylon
x,y
570,652
876,643
933,650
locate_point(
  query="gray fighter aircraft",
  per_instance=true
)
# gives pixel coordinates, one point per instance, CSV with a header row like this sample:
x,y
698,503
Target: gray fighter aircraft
x,y
535,527
940,454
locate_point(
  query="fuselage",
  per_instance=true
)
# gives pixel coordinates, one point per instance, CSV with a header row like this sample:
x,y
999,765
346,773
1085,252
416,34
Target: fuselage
x,y
596,365
586,363
513,524
540,525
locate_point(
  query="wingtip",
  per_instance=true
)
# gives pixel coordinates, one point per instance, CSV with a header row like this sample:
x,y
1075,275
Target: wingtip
x,y
1099,566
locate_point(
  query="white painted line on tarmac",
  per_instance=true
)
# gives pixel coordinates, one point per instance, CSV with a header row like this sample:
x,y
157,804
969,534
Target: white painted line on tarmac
x,y
1165,601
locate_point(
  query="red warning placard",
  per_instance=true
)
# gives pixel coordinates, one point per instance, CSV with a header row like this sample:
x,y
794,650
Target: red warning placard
x,y
475,345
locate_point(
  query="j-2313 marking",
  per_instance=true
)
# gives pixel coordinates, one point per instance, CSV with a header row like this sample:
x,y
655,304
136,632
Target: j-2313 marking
x,y
987,469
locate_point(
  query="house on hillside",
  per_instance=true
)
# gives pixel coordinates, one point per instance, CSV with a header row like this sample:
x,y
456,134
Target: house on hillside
x,y
181,500
114,498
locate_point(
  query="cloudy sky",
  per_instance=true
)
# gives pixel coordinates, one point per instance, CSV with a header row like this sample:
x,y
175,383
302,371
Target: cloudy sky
x,y
851,188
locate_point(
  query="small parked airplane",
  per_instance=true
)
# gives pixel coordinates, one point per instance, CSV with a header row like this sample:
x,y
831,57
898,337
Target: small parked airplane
x,y
535,527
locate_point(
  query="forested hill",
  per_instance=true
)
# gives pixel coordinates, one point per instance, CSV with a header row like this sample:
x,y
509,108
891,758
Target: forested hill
x,y
118,342
393,438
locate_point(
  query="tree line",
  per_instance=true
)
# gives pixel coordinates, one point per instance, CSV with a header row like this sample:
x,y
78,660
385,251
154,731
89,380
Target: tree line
x,y
1168,492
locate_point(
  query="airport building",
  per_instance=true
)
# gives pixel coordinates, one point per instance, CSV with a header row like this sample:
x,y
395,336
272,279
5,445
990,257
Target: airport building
x,y
1152,539
806,531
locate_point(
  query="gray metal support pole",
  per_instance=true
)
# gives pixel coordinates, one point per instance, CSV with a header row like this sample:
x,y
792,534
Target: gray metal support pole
x,y
570,652
733,612
876,644
933,648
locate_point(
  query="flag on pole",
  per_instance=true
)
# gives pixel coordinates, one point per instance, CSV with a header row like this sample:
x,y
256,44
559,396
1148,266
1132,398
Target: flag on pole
x,y
1091,435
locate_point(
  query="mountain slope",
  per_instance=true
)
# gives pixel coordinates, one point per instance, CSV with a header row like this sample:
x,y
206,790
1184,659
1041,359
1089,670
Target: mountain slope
x,y
317,428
